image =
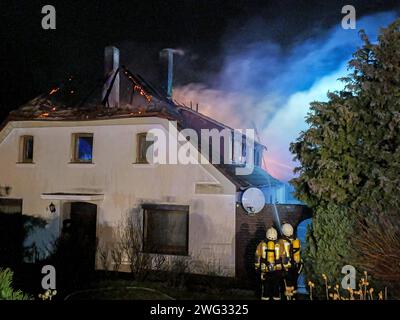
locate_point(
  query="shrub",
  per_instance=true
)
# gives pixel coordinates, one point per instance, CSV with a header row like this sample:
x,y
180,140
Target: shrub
x,y
378,242
179,268
329,246
117,254
6,290
103,253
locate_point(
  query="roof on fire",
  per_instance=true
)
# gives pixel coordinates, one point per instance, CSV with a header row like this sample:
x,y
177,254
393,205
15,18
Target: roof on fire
x,y
70,101
65,102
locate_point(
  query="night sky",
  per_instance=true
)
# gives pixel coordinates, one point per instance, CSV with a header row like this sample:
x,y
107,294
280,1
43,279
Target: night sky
x,y
210,32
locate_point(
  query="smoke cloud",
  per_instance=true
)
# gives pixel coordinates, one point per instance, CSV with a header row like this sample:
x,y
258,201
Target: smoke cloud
x,y
268,86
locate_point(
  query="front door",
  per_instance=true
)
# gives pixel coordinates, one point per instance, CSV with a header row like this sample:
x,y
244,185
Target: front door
x,y
83,233
11,232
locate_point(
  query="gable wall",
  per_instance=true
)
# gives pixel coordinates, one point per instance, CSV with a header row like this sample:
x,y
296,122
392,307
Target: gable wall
x,y
125,185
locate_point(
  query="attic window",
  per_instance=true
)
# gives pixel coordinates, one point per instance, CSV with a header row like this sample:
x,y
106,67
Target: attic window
x,y
26,149
82,147
239,150
143,146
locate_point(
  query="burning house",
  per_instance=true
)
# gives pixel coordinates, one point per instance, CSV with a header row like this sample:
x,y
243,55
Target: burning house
x,y
80,162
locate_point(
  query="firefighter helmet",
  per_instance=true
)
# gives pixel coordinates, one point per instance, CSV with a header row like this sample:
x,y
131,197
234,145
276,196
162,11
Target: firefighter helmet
x,y
272,234
287,230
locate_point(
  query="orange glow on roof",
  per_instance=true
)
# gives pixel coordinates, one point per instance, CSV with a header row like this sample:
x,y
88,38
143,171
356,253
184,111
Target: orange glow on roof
x,y
53,91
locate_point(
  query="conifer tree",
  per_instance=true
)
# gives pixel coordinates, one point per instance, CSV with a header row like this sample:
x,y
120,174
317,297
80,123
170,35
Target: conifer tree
x,y
350,154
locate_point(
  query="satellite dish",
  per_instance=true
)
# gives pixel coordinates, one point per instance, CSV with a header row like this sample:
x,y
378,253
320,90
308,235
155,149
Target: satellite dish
x,y
253,200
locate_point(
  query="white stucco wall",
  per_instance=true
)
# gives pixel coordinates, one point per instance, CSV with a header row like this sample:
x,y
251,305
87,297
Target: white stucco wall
x,y
125,185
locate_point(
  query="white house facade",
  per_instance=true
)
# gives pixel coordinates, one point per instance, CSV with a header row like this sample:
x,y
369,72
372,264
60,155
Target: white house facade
x,y
116,184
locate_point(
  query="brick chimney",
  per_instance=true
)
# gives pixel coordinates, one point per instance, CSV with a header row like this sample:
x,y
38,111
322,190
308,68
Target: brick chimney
x,y
111,65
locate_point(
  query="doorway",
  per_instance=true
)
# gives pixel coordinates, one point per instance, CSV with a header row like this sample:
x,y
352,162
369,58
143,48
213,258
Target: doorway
x,y
80,231
11,232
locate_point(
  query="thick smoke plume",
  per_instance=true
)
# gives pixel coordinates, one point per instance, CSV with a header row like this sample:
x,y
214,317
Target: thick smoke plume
x,y
269,87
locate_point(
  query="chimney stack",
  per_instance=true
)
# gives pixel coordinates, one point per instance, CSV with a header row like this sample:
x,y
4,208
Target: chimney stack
x,y
111,65
168,55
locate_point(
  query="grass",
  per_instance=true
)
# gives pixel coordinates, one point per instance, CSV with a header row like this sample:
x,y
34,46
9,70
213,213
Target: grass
x,y
133,290
124,293
121,286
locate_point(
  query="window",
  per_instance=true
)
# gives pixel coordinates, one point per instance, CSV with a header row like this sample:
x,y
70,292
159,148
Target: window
x,y
10,206
82,147
166,229
258,154
26,149
143,146
239,146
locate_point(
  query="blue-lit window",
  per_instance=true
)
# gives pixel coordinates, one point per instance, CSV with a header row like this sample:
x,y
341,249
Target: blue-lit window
x,y
83,147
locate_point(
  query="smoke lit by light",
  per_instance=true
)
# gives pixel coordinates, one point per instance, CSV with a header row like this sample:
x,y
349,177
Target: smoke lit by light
x,y
263,85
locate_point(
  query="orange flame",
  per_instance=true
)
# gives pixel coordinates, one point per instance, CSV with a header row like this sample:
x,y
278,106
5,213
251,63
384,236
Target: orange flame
x,y
53,91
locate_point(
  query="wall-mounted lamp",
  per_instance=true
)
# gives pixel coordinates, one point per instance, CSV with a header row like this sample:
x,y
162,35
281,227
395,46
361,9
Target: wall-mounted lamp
x,y
52,208
5,191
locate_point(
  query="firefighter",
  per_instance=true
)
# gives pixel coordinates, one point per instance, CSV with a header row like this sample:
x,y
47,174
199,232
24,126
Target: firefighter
x,y
291,259
266,265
